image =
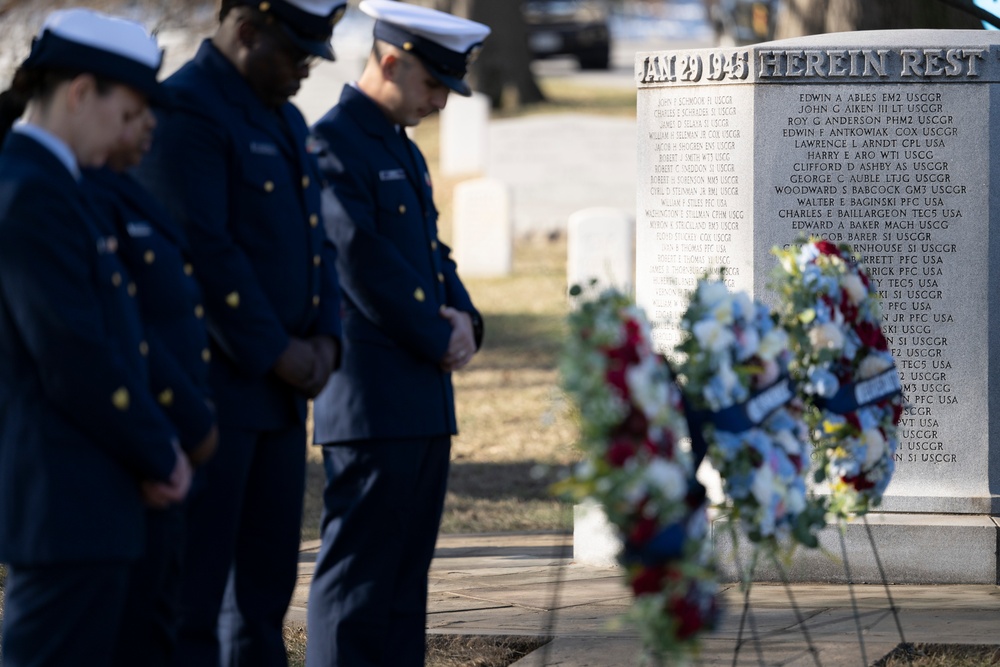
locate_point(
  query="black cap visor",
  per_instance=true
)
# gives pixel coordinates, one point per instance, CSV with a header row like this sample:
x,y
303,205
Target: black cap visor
x,y
443,64
320,47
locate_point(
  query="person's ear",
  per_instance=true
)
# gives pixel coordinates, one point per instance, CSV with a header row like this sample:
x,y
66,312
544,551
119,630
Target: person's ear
x,y
390,65
79,89
247,35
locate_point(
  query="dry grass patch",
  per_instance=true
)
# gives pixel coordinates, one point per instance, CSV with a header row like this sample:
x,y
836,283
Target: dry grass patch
x,y
479,651
941,655
443,650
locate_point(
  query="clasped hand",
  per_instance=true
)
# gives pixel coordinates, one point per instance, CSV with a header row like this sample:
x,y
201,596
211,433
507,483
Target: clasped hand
x,y
306,364
462,344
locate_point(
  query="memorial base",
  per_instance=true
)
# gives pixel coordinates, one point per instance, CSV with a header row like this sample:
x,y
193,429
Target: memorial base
x,y
913,549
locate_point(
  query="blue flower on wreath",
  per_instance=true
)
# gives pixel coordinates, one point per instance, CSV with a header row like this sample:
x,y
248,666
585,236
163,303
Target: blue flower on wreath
x,y
759,441
868,418
767,519
847,466
785,469
729,444
882,484
739,485
822,382
780,420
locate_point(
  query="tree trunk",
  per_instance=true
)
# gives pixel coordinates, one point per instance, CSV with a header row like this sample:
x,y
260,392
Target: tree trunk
x,y
811,17
503,69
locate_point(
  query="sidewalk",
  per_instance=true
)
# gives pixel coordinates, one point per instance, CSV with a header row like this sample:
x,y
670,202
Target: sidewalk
x,y
510,583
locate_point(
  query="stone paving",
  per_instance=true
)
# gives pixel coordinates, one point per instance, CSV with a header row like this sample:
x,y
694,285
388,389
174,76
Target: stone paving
x,y
527,583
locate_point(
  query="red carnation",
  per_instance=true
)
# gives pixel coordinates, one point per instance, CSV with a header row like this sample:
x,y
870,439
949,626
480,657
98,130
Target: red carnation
x,y
661,446
860,482
688,617
849,310
633,334
643,531
852,419
871,335
635,425
615,376
619,452
827,248
897,412
649,580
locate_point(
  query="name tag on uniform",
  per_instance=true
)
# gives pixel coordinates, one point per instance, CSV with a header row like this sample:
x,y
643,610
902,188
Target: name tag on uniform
x,y
107,244
139,230
262,148
391,175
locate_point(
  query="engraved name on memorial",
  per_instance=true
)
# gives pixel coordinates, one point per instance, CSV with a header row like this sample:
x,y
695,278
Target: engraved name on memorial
x,y
886,147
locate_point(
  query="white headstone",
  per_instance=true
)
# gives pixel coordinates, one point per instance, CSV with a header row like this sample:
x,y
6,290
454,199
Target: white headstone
x,y
465,134
601,247
483,228
560,163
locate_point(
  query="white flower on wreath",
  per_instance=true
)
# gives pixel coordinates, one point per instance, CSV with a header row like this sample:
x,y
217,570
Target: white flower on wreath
x,y
772,344
713,335
647,387
874,364
826,336
763,485
667,477
875,445
856,290
712,292
807,255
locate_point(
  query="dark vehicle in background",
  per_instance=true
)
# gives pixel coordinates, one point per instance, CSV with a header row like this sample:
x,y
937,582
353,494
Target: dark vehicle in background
x,y
577,28
740,22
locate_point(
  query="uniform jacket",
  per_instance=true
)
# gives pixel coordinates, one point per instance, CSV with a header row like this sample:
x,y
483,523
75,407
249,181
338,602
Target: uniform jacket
x,y
78,425
395,274
153,250
242,182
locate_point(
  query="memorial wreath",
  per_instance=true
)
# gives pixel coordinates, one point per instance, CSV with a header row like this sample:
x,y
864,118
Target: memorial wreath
x,y
741,401
638,466
845,369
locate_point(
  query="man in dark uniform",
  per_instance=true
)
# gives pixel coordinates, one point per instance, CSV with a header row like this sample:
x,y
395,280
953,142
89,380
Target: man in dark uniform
x,y
233,161
153,250
387,416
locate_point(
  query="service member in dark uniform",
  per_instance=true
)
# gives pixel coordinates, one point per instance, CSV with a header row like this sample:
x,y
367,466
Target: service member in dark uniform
x,y
153,249
387,416
232,160
83,443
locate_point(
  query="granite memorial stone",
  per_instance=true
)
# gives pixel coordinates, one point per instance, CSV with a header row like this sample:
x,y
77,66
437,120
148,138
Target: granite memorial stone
x,y
884,140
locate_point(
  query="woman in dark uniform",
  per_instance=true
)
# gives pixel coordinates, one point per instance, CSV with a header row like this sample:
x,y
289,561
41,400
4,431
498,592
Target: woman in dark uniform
x,y
84,445
153,250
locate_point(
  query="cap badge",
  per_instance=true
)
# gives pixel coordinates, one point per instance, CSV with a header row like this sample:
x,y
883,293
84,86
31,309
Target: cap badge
x,y
473,54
